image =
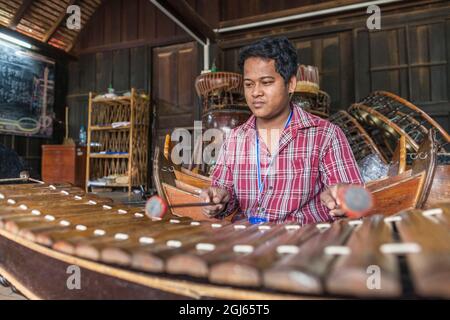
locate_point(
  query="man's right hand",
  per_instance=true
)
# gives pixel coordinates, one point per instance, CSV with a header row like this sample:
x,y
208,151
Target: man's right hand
x,y
217,197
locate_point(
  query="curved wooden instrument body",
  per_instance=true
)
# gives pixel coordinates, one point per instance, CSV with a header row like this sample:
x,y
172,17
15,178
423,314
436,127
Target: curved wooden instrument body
x,y
387,117
361,143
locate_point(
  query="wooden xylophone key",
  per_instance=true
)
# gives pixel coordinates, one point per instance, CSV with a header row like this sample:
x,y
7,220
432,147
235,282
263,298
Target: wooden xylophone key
x,y
350,273
188,261
30,187
242,243
89,238
42,219
39,228
92,248
30,210
426,244
164,247
4,195
145,245
247,270
304,272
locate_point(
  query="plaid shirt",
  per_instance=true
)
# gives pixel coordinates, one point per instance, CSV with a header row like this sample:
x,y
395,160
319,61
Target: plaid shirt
x,y
313,154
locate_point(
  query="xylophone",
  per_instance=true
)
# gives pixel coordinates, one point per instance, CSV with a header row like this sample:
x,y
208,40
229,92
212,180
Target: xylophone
x,y
123,253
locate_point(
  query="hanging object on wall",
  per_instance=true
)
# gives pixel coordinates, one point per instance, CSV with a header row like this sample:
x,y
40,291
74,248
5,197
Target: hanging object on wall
x,y
27,91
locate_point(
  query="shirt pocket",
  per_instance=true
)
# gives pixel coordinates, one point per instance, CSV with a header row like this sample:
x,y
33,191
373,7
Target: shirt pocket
x,y
304,173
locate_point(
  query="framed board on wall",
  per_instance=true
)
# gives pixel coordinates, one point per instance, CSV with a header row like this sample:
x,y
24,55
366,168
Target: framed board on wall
x,y
27,90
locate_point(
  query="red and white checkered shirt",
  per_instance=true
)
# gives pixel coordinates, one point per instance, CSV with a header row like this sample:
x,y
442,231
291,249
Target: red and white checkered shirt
x,y
313,154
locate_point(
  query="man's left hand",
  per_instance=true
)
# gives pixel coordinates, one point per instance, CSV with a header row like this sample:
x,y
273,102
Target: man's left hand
x,y
329,199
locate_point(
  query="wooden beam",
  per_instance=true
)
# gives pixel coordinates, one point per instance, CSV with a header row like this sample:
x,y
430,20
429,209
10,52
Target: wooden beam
x,y
312,8
55,26
20,13
188,16
43,48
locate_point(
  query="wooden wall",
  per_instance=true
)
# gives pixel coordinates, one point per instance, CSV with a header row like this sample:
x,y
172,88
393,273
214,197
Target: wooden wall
x,y
238,9
409,56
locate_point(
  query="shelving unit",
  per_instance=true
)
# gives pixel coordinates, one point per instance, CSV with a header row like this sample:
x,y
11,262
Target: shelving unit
x,y
117,151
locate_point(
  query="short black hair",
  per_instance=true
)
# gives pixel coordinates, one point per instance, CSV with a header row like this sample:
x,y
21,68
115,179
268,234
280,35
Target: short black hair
x,y
279,49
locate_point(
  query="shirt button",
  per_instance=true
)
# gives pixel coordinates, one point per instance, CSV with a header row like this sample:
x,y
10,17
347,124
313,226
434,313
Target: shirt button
x,y
270,187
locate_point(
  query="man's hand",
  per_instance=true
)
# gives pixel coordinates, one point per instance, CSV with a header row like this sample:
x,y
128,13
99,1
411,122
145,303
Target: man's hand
x,y
214,195
329,199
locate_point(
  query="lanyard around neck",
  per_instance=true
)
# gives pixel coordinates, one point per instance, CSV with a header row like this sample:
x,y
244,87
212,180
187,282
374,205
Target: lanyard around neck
x,y
258,164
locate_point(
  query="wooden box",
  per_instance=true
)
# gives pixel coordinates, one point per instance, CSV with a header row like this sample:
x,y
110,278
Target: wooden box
x,y
64,163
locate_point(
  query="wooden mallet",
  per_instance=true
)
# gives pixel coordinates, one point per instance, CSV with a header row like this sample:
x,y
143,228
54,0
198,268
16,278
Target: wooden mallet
x,y
156,207
356,201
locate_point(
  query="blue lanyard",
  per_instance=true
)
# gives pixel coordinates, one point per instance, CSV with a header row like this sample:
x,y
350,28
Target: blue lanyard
x,y
258,164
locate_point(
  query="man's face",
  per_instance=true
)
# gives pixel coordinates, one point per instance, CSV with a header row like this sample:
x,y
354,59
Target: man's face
x,y
265,91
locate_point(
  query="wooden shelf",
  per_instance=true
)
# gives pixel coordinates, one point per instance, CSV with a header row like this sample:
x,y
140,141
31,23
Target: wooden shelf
x,y
131,138
95,128
111,101
108,156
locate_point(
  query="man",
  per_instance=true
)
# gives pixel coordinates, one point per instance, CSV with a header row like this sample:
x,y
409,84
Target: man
x,y
283,164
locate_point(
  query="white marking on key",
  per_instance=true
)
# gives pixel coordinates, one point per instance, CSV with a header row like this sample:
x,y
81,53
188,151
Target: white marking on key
x,y
288,249
262,228
205,247
106,207
64,192
174,221
121,211
99,232
121,236
400,248
195,223
49,217
432,212
64,223
11,201
139,215
323,226
292,227
81,227
393,219
337,250
355,222
77,198
243,248
146,240
92,202
35,212
216,225
23,207
52,187
174,243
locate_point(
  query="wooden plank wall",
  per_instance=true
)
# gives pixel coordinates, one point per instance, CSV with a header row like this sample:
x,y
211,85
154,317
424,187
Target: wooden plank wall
x,y
409,56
